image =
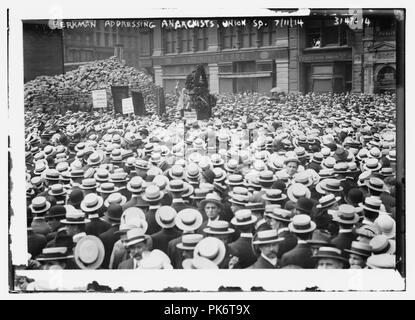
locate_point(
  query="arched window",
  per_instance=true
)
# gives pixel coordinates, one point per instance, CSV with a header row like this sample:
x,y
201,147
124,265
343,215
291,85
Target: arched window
x,y
386,75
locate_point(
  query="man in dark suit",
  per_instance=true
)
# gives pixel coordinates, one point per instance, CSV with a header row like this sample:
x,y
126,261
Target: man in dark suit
x,y
268,242
279,219
135,186
153,196
92,205
110,237
165,217
301,255
244,221
178,189
346,217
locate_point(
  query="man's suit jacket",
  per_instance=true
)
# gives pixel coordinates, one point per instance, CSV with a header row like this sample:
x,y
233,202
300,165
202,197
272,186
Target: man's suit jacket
x,y
130,203
35,243
343,240
289,243
174,253
153,226
127,264
299,256
96,227
109,238
242,248
261,263
162,238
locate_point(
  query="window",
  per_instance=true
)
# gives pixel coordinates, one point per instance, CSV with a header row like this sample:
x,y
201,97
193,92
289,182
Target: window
x,y
201,39
330,33
170,41
229,38
313,38
107,39
248,37
114,39
144,44
268,34
186,40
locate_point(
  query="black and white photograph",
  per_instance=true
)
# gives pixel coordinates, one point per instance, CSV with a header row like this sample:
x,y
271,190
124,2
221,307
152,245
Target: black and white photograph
x,y
184,150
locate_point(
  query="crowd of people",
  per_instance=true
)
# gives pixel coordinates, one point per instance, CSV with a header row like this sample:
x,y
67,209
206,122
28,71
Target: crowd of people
x,y
298,181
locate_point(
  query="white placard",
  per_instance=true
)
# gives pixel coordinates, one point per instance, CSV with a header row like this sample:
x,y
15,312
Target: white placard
x,y
127,106
190,116
99,98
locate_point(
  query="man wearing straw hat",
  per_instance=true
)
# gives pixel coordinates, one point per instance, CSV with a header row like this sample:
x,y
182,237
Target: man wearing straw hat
x,y
268,242
165,217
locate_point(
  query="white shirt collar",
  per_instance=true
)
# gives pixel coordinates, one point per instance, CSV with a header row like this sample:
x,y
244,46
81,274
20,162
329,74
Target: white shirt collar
x,y
246,235
93,216
178,200
345,230
301,241
154,207
272,261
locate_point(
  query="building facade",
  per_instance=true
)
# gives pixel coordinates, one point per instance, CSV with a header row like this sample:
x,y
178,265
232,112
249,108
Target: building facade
x,y
325,53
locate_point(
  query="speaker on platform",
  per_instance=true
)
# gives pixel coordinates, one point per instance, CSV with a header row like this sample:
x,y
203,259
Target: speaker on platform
x,y
119,93
138,103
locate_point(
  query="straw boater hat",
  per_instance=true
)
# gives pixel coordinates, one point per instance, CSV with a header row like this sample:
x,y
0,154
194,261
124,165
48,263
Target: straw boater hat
x,y
372,164
360,248
115,198
273,195
329,253
267,237
74,216
107,188
280,214
176,186
39,205
301,223
189,241
189,219
235,180
220,174
210,248
298,190
88,184
381,261
327,201
91,203
346,214
387,225
303,178
381,244
371,204
219,227
54,253
200,194
165,217
57,190
243,217
375,184
89,253
134,236
199,263
152,194
212,198
176,172
95,158
328,185
135,185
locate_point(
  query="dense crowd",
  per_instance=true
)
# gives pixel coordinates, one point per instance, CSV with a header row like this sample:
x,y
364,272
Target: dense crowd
x,y
292,181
